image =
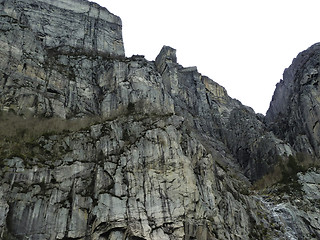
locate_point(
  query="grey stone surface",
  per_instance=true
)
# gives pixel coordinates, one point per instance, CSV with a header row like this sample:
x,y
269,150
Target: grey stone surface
x,y
170,155
294,110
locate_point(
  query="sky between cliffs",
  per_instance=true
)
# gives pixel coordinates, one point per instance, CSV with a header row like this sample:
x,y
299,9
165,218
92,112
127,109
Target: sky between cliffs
x,y
242,45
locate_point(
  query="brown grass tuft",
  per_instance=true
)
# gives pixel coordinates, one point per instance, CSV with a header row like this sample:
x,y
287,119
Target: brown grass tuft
x,y
18,133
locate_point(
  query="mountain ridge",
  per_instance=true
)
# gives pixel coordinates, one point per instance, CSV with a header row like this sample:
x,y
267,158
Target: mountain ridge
x,y
125,148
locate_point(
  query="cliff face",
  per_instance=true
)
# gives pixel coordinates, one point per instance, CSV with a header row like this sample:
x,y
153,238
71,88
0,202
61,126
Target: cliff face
x,y
99,146
47,55
294,110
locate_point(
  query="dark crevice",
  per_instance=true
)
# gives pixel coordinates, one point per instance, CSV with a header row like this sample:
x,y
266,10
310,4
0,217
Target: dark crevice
x,y
5,79
50,90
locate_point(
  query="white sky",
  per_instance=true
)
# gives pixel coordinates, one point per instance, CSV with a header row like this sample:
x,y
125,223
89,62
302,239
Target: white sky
x,y
242,45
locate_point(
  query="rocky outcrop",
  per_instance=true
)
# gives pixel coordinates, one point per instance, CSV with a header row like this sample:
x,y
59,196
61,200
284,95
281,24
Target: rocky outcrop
x,y
69,25
43,44
144,150
67,80
220,120
126,178
294,110
296,207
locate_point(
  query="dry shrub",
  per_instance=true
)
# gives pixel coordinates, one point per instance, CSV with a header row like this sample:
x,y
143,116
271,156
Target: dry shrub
x,y
17,132
12,125
274,176
286,169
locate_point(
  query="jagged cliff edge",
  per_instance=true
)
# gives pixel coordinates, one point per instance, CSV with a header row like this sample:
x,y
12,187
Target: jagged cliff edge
x,y
147,150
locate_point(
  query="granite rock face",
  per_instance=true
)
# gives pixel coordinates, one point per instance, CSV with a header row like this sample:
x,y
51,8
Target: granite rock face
x,y
219,120
294,110
149,149
125,179
73,25
43,44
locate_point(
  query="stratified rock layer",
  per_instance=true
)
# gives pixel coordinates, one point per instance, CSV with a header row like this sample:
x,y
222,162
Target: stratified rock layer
x,y
169,156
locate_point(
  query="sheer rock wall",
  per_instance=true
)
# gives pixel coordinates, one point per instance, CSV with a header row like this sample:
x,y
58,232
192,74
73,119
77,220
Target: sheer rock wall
x,y
171,156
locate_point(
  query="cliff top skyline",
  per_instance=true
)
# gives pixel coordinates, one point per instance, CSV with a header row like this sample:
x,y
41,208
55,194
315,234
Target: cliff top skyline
x,y
244,46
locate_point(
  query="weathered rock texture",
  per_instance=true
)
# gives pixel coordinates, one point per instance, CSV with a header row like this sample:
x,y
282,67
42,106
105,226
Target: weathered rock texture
x,y
294,110
170,156
47,55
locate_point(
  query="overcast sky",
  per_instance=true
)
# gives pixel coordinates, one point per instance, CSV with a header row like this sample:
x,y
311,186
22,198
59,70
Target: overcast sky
x,y
242,45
